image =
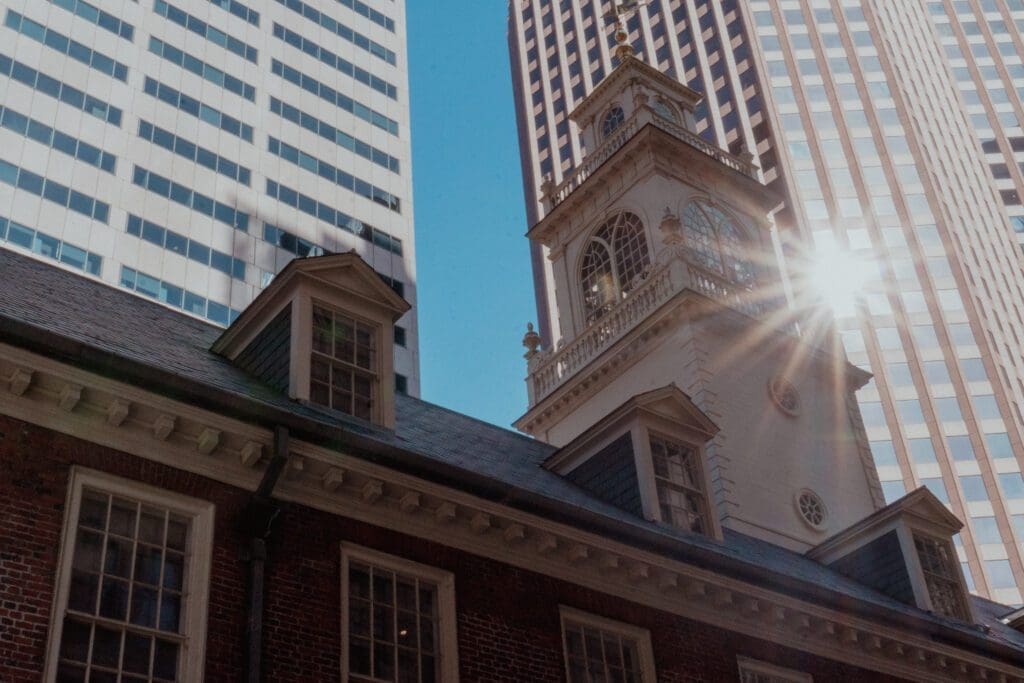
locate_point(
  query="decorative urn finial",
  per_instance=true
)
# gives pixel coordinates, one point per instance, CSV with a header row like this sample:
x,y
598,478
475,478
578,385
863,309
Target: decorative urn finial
x,y
547,185
623,49
531,340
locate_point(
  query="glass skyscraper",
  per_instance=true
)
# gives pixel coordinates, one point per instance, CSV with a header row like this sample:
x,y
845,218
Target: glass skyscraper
x,y
187,149
893,131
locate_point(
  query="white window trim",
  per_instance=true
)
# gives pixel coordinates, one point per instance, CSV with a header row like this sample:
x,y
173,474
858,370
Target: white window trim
x,y
447,636
764,668
642,433
641,635
906,534
196,591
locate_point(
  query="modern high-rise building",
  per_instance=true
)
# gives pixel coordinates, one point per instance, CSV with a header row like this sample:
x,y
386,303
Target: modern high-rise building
x,y
893,132
188,149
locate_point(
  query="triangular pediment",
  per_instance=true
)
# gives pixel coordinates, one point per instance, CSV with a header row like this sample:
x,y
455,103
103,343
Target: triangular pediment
x,y
633,70
352,274
923,504
920,504
670,403
334,278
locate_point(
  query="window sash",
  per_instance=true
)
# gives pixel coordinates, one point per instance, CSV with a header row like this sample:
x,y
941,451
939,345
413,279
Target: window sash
x,y
596,654
595,648
755,671
344,363
941,577
180,645
680,502
430,584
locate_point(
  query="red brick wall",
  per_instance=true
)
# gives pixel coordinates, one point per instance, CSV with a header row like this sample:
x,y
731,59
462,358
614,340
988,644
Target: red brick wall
x,y
508,621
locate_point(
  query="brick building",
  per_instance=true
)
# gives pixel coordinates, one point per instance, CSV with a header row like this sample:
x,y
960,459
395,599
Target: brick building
x,y
109,402
181,502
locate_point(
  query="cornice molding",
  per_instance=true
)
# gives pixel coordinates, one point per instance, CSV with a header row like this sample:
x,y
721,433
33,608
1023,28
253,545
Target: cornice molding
x,y
342,484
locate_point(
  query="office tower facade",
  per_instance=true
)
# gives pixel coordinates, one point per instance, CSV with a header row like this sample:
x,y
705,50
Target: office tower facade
x,y
891,130
188,149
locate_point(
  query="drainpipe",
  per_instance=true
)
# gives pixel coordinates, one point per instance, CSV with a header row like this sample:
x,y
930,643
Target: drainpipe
x,y
259,516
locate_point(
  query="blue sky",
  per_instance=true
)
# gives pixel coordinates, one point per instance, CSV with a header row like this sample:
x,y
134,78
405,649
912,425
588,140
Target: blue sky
x,y
474,283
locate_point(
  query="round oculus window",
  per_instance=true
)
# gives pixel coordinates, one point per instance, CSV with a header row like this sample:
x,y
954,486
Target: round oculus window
x,y
784,395
812,509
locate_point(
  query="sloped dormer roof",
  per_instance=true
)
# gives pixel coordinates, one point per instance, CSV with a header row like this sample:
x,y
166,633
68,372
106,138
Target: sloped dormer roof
x,y
668,402
348,273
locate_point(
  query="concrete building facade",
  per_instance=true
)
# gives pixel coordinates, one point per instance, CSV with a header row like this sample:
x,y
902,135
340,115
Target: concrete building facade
x,y
891,131
186,150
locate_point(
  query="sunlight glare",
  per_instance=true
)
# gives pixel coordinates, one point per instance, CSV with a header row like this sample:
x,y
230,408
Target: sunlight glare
x,y
837,277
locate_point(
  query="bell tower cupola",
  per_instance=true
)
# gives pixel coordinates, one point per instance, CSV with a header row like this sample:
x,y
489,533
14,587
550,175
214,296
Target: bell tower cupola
x,y
666,274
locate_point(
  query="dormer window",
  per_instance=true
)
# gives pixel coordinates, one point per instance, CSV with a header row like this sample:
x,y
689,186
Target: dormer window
x,y
613,118
323,332
939,565
679,481
614,261
716,243
646,458
904,550
343,371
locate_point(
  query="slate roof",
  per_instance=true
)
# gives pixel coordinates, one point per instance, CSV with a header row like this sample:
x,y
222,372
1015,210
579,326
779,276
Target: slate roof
x,y
37,297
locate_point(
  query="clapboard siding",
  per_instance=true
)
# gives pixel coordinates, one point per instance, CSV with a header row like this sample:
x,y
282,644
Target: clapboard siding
x,y
267,355
881,565
610,474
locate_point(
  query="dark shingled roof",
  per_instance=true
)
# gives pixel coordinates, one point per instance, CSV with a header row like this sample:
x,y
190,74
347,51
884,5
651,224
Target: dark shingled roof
x,y
92,319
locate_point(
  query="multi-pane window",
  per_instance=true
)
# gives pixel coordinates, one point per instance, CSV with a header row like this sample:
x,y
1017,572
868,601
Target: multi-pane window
x,y
129,568
939,564
614,262
600,650
344,363
612,120
679,481
754,671
398,620
716,243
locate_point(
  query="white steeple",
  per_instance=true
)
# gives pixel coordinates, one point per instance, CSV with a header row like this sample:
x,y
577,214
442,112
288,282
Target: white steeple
x,y
665,274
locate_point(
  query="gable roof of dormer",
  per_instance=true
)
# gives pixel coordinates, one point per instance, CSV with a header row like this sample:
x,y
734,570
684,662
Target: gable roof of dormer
x,y
346,273
668,402
920,504
631,68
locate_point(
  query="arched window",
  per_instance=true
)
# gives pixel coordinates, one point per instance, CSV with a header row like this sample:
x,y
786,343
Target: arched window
x,y
614,262
664,109
612,120
716,243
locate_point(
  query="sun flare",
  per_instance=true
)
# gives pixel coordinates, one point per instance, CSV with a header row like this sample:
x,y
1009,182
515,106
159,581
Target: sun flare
x,y
837,277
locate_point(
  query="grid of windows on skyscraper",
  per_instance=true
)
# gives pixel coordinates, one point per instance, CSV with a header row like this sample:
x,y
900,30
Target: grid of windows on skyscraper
x,y
568,52
161,187
989,74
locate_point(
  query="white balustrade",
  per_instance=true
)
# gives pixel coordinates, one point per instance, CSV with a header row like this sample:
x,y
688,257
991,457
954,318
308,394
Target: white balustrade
x,y
621,136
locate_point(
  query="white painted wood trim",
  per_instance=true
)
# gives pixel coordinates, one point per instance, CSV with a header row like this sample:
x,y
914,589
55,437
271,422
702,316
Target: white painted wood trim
x,y
641,636
756,666
447,635
196,593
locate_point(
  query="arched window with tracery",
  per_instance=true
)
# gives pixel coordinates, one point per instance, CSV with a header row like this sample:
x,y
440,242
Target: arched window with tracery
x,y
664,109
614,262
613,118
717,243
